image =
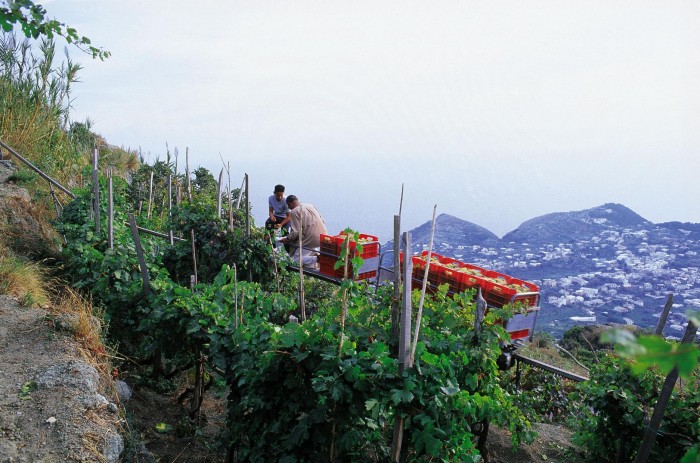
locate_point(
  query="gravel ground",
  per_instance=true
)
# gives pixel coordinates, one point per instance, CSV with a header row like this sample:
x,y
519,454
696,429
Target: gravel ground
x,y
50,407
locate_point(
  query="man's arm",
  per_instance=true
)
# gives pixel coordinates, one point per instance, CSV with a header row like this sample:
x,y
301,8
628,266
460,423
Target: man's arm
x,y
285,220
272,215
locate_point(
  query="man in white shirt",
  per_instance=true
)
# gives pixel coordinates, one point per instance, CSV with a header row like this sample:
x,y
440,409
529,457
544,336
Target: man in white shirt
x,y
305,221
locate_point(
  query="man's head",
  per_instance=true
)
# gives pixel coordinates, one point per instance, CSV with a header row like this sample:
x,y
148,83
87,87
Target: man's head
x,y
279,192
292,201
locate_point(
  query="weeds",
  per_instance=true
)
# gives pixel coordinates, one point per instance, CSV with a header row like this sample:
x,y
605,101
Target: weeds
x,y
23,280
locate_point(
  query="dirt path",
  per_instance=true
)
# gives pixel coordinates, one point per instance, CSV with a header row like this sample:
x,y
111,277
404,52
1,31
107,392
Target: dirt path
x,y
50,408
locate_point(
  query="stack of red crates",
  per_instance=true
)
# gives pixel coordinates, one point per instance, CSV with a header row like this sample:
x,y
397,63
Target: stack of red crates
x,y
497,288
331,246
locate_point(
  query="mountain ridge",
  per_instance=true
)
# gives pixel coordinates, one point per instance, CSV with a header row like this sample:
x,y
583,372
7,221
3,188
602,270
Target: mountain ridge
x,y
554,226
603,265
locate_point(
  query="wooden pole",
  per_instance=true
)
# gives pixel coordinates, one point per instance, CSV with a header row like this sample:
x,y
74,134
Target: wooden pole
x,y
664,316
96,190
404,338
422,292
139,254
230,199
187,173
302,301
37,170
344,312
150,196
110,210
662,402
247,220
170,210
194,257
218,196
235,292
395,309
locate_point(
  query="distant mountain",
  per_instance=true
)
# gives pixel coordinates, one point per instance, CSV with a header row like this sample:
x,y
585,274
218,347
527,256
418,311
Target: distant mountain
x,y
563,227
601,265
453,231
692,230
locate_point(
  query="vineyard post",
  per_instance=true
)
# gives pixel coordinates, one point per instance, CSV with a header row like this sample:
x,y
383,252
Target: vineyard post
x,y
247,221
235,292
664,316
404,339
397,282
247,207
422,292
170,209
344,312
150,196
96,190
187,174
194,256
662,401
218,195
230,199
302,302
110,210
139,254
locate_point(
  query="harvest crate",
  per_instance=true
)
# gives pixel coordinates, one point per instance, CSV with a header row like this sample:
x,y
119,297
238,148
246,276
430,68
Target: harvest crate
x,y
331,246
420,263
497,288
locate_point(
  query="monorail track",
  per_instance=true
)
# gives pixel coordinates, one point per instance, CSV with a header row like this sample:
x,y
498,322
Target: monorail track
x,y
550,368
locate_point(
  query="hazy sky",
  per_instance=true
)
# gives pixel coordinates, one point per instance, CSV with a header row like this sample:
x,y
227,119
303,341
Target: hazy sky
x,y
495,111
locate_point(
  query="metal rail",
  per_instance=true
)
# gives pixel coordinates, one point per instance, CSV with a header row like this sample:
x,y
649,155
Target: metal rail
x,y
549,368
37,170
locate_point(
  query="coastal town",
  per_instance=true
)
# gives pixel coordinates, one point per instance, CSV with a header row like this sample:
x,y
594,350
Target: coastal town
x,y
620,275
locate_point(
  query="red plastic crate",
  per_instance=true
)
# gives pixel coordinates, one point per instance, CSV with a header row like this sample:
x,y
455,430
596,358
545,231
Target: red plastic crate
x,y
497,291
332,245
327,264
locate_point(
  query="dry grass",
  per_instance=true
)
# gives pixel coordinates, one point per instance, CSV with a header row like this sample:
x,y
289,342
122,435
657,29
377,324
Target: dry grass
x,y
87,328
23,280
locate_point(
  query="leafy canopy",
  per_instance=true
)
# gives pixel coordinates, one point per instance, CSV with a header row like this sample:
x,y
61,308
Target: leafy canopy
x,y
32,19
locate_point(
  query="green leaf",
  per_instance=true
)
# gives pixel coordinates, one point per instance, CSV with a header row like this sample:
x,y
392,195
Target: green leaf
x,y
370,404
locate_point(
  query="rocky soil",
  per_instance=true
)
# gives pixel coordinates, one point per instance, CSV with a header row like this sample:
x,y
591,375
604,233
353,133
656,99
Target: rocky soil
x,y
54,407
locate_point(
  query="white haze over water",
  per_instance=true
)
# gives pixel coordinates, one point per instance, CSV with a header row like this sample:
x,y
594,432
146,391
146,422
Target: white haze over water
x,y
495,111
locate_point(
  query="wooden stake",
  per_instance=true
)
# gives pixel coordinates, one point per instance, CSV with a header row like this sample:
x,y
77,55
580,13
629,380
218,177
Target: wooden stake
x,y
194,256
218,195
150,196
662,401
664,316
344,312
96,190
110,210
139,254
404,338
395,309
187,172
422,292
170,210
302,302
